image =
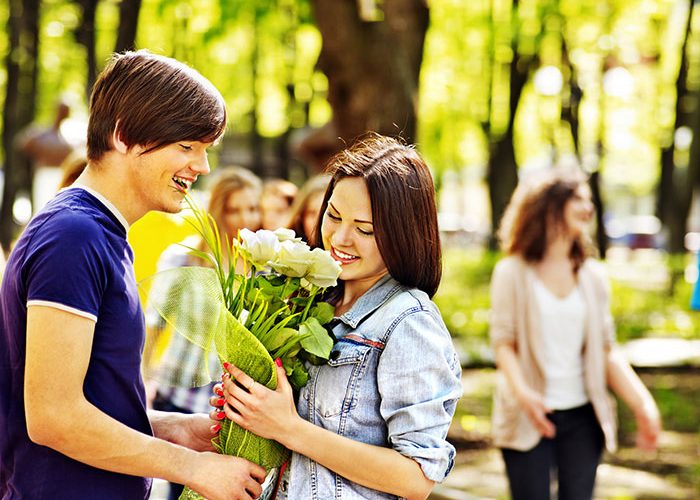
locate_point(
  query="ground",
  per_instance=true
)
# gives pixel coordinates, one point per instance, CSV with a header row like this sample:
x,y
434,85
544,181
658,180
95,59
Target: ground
x,y
671,473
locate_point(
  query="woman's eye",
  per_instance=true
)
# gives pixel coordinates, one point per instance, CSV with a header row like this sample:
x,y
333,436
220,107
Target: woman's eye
x,y
333,217
365,232
186,147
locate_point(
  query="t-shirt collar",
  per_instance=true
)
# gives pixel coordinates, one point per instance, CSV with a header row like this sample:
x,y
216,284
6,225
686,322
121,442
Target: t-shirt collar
x,y
108,204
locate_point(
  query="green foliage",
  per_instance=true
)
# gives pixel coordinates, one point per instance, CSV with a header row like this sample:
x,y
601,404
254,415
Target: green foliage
x,y
676,393
463,299
641,310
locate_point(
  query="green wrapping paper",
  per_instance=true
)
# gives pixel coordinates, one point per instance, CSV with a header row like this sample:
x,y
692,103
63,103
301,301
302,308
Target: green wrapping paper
x,y
191,301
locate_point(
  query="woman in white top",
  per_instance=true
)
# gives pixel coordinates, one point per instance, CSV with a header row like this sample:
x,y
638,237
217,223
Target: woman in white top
x,y
553,339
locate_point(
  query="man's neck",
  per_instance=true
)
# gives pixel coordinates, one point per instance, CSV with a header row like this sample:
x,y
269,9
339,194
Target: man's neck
x,y
109,181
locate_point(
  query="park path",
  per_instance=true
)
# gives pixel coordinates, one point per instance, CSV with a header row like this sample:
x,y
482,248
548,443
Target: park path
x,y
630,474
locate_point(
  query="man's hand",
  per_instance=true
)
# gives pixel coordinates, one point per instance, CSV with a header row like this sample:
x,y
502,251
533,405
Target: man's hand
x,y
220,477
190,431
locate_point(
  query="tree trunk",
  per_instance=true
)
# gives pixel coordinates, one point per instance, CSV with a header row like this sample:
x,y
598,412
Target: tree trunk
x,y
85,35
128,25
664,193
20,105
601,236
372,66
684,180
502,173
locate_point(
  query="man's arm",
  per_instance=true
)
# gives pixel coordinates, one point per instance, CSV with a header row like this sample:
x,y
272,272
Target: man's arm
x,y
59,416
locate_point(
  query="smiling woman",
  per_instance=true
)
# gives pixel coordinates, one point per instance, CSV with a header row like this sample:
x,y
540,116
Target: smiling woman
x,y
386,397
554,342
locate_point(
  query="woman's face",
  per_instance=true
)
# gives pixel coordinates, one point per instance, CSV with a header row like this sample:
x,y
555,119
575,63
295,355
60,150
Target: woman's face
x,y
310,217
242,211
275,212
578,211
348,233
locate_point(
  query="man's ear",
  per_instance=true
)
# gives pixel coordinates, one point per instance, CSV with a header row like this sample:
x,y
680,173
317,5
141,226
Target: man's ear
x,y
119,145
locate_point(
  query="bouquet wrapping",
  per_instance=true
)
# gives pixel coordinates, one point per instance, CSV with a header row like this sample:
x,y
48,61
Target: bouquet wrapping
x,y
257,300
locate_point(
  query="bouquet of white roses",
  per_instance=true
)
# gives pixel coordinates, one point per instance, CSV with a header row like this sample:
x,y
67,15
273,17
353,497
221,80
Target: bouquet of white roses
x,y
269,309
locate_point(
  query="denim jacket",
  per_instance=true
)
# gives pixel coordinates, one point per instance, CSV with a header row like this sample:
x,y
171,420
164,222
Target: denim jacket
x,y
393,380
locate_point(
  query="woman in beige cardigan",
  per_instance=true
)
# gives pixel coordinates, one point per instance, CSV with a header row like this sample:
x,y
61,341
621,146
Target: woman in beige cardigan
x,y
554,343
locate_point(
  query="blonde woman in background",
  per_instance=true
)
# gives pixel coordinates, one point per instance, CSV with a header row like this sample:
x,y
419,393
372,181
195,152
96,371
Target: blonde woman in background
x,y
307,207
554,342
276,202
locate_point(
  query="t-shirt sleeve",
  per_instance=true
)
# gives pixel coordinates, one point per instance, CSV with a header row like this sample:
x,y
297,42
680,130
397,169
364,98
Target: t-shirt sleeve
x,y
66,267
419,377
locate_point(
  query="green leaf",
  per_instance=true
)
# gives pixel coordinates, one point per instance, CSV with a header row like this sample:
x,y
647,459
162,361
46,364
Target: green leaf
x,y
296,372
316,339
323,312
284,336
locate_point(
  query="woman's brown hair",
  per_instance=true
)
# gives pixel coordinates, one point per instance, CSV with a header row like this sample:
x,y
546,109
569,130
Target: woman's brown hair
x,y
153,101
404,214
536,212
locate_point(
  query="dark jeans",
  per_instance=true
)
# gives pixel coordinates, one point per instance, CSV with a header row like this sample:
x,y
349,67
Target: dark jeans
x,y
571,459
162,404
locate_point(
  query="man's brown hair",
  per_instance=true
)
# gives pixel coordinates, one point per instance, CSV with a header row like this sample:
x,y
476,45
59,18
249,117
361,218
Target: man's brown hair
x,y
153,101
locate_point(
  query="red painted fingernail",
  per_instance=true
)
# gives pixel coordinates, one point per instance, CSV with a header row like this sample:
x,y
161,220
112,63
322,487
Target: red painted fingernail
x,y
216,428
220,414
278,362
226,365
220,402
219,391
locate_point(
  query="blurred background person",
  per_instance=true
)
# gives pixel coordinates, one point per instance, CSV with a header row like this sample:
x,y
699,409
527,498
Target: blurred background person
x,y
72,167
276,203
307,207
234,204
46,148
554,342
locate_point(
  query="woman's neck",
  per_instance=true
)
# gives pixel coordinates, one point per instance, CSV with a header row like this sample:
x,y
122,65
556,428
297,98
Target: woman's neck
x,y
558,249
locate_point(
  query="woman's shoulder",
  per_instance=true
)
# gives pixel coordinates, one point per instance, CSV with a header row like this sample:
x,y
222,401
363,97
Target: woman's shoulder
x,y
595,268
509,267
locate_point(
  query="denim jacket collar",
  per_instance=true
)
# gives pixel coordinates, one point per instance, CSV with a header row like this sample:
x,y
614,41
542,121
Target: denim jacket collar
x,y
371,300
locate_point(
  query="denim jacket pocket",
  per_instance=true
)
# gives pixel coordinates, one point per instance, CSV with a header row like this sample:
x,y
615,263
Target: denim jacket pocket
x,y
346,367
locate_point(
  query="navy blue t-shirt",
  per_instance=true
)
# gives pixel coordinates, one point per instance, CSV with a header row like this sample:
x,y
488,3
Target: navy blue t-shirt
x,y
73,256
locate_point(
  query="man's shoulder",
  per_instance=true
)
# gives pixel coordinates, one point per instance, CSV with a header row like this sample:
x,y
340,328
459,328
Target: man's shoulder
x,y
67,221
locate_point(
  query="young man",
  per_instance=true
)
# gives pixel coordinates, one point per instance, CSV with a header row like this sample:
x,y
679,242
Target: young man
x,y
72,402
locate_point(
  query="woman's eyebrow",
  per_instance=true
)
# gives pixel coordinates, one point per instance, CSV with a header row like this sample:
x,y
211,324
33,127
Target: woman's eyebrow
x,y
355,220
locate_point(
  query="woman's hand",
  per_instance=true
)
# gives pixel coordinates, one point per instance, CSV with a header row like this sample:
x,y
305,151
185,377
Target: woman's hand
x,y
264,412
533,405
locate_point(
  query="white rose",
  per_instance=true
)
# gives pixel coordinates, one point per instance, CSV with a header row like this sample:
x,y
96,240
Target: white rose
x,y
293,259
259,247
284,234
324,270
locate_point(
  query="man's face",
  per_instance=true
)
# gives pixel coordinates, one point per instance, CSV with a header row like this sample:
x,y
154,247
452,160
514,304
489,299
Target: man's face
x,y
163,177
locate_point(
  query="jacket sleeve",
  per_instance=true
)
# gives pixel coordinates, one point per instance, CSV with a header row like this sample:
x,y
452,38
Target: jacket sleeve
x,y
419,379
600,278
503,300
